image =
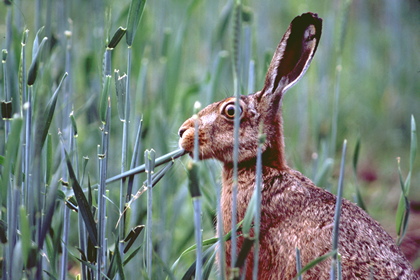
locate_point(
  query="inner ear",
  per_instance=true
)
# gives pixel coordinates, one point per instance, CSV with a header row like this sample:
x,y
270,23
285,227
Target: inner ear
x,y
297,54
293,55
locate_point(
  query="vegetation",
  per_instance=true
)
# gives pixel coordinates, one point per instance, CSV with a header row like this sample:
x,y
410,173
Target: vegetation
x,y
70,122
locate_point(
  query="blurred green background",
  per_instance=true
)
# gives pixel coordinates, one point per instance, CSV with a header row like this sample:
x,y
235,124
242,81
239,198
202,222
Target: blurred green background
x,y
364,82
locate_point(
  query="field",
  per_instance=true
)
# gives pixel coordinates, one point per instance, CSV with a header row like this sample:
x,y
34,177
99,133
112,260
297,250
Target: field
x,y
108,88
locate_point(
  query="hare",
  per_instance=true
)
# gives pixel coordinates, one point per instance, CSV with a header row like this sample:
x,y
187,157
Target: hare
x,y
294,212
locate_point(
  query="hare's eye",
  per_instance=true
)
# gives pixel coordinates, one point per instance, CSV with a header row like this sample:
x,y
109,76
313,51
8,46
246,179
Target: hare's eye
x,y
230,110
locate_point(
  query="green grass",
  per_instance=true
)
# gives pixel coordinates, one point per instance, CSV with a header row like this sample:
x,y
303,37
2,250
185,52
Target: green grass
x,y
362,84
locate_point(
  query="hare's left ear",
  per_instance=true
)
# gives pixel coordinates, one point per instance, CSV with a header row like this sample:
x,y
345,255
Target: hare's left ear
x,y
293,55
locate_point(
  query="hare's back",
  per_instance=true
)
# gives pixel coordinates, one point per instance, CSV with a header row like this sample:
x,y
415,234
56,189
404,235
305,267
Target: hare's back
x,y
297,214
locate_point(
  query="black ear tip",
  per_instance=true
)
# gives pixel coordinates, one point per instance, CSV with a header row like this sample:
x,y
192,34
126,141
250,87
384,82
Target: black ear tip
x,y
302,22
310,15
308,18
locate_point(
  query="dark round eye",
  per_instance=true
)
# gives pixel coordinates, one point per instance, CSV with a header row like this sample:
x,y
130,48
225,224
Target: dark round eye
x,y
230,110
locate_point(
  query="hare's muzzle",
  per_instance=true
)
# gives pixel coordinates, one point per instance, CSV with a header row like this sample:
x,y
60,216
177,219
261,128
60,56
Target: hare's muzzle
x,y
186,134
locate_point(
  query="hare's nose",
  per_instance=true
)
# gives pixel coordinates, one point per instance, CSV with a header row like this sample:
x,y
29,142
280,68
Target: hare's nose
x,y
181,131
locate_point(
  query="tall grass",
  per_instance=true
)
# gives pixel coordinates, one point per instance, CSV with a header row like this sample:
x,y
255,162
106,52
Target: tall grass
x,y
75,198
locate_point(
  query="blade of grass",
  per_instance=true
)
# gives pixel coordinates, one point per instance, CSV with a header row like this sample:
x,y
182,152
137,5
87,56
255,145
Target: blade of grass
x,y
11,154
191,271
359,198
84,207
45,124
134,159
134,15
337,214
315,262
33,69
403,210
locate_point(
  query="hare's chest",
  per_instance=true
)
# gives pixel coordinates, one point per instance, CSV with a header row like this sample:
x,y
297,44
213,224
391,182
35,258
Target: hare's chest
x,y
242,199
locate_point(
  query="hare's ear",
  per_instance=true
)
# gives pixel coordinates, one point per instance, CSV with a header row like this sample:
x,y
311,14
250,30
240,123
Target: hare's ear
x,y
293,55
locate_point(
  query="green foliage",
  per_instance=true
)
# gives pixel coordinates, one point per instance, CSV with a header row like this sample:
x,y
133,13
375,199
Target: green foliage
x,y
58,94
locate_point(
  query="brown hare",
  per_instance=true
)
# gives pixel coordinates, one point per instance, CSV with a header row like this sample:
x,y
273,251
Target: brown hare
x,y
294,212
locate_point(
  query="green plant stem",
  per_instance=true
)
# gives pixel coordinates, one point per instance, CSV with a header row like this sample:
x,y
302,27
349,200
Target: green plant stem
x,y
150,163
140,169
335,261
124,147
236,75
103,166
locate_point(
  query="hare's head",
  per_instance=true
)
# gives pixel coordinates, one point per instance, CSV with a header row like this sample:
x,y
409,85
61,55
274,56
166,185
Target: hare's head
x,y
258,112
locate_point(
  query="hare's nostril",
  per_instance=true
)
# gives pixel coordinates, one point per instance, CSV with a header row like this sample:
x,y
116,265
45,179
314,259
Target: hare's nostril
x,y
181,131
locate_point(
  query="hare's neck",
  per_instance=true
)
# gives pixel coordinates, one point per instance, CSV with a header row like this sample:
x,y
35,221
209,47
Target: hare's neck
x,y
245,189
274,155
245,186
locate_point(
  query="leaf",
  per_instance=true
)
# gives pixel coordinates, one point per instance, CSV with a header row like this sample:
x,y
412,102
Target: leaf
x,y
6,110
45,123
403,210
245,249
121,92
134,16
84,207
249,214
48,213
315,262
116,264
104,99
25,235
132,236
207,242
3,232
413,145
33,69
356,155
193,180
12,148
189,274
117,37
130,256
208,265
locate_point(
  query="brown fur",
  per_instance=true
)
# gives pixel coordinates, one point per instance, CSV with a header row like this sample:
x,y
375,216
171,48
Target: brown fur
x,y
294,212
